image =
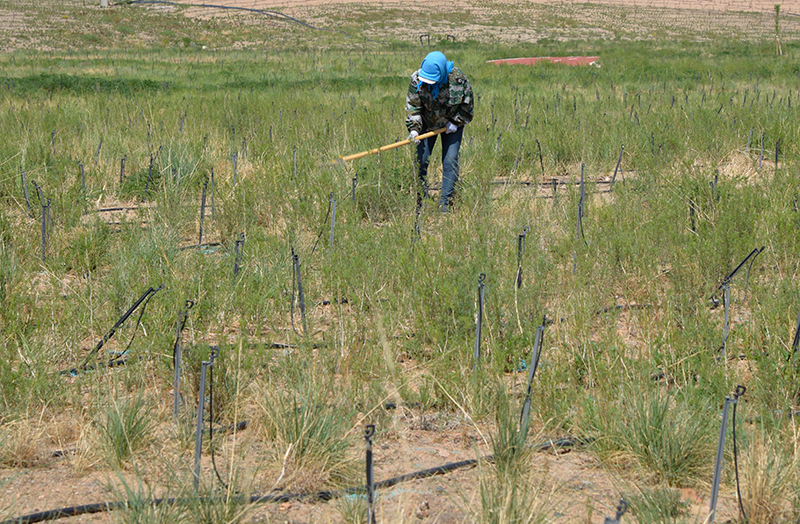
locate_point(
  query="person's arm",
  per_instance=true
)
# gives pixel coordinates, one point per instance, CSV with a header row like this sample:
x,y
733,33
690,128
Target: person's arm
x,y
466,108
413,107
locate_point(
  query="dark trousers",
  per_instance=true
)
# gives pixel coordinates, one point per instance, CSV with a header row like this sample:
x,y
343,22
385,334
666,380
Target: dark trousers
x,y
450,146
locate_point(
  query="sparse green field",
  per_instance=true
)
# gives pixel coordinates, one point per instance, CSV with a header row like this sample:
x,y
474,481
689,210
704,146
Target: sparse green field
x,y
119,142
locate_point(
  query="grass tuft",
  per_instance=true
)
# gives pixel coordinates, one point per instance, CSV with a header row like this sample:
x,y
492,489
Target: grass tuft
x,y
124,429
664,437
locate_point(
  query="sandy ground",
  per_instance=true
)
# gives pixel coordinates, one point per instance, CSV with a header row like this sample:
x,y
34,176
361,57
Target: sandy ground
x,y
574,486
758,6
766,6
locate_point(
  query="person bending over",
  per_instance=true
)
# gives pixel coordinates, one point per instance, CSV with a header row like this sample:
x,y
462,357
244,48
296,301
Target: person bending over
x,y
439,96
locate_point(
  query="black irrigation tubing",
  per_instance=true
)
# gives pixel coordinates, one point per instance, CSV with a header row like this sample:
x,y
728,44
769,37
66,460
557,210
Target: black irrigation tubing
x,y
326,495
136,326
144,298
267,12
727,280
107,209
622,307
198,246
542,185
740,390
211,423
113,363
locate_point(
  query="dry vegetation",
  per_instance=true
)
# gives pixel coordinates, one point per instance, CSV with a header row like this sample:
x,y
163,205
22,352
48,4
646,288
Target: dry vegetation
x,y
250,107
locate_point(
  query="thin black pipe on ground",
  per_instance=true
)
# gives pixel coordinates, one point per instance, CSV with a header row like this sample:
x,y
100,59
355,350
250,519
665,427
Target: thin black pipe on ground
x,y
100,507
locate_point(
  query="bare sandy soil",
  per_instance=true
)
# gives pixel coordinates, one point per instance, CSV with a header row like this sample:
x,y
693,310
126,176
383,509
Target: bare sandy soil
x,y
574,486
531,21
766,6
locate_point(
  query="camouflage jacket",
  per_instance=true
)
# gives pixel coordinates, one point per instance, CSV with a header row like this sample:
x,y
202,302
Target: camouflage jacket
x,y
455,103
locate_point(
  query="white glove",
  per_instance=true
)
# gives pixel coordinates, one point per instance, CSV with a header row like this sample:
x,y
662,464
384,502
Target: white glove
x,y
413,135
451,128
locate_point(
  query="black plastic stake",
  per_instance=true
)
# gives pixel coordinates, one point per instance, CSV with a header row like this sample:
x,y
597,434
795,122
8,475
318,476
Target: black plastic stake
x,y
121,170
622,508
368,434
579,222
517,159
233,161
520,253
353,193
45,213
777,150
301,300
201,397
149,176
616,169
237,250
740,390
39,191
541,159
582,201
713,185
524,419
333,221
726,301
25,190
417,226
692,213
97,154
796,339
83,176
202,212
294,156
478,325
177,356
213,190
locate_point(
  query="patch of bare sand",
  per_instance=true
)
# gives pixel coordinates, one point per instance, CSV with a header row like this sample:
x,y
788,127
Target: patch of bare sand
x,y
765,6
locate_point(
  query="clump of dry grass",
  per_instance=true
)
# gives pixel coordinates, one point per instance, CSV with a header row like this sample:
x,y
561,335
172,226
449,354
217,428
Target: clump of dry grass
x,y
22,443
768,476
307,432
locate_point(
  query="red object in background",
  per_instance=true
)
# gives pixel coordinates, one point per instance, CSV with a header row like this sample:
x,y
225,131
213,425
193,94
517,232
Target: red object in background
x,y
569,60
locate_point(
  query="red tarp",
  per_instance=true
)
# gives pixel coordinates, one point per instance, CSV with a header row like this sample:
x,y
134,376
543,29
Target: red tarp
x,y
569,60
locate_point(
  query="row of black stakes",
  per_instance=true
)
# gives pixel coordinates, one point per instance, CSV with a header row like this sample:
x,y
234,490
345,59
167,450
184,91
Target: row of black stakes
x,y
761,152
81,168
426,39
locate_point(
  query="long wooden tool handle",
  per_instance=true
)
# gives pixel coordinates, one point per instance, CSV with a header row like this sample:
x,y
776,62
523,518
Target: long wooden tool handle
x,y
392,146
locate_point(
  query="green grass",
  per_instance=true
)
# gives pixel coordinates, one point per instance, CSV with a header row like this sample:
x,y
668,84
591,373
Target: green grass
x,y
682,109
124,429
658,505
